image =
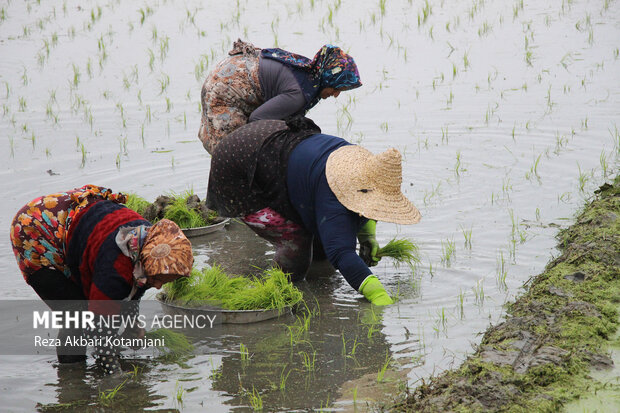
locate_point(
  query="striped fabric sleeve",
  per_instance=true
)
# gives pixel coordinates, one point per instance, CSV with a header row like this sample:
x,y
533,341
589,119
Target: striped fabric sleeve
x,y
105,273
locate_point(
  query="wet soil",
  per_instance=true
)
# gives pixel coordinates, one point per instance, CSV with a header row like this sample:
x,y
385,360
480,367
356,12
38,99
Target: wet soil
x,y
554,336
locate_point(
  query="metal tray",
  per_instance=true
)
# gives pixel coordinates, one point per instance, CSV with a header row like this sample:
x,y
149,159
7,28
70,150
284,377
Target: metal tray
x,y
199,231
223,316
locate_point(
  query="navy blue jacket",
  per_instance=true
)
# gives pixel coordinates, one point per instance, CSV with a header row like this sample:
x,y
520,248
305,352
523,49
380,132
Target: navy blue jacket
x,y
321,212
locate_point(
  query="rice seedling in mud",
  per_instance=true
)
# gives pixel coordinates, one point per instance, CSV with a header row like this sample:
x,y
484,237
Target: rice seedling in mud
x,y
179,392
460,301
604,164
383,369
502,272
164,82
533,172
560,142
272,290
106,398
442,321
467,235
583,178
478,290
83,151
308,360
458,168
615,135
245,354
447,252
151,59
216,372
256,400
283,378
401,251
136,371
76,75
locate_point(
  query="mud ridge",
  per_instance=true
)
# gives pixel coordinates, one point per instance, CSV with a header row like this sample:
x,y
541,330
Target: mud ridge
x,y
553,336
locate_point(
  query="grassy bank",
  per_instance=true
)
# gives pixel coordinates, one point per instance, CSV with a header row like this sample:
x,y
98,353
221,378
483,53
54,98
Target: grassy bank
x,y
542,355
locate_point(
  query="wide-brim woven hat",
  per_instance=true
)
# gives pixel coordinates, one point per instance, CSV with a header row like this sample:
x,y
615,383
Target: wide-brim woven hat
x,y
370,184
167,250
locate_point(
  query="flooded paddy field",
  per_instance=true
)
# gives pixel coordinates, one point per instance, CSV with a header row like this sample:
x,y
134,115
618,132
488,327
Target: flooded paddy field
x,y
507,114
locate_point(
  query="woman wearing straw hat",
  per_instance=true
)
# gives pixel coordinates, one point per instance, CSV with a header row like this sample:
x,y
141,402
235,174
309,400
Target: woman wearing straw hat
x,y
82,249
254,84
291,184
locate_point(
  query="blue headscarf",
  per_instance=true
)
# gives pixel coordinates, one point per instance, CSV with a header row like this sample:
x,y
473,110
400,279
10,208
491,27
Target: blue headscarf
x,y
331,67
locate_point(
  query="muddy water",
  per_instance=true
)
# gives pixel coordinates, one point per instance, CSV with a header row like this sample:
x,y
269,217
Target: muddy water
x,y
506,113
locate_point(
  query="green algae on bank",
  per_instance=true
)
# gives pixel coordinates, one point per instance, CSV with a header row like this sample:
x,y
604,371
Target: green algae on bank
x,y
542,355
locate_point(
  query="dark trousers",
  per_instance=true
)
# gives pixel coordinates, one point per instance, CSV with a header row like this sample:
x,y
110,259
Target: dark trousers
x,y
61,294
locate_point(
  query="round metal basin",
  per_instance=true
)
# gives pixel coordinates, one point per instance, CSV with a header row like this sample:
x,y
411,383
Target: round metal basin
x,y
223,316
200,231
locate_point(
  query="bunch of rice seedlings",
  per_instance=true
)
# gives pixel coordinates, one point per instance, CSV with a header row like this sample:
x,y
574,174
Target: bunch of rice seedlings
x,y
211,284
182,215
184,209
175,344
272,290
137,203
401,251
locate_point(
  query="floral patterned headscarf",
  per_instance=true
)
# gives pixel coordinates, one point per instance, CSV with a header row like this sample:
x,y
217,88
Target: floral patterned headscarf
x,y
130,240
330,67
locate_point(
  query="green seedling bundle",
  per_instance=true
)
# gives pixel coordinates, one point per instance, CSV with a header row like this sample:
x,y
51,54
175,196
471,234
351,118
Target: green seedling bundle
x,y
175,344
185,209
401,251
137,203
180,213
272,290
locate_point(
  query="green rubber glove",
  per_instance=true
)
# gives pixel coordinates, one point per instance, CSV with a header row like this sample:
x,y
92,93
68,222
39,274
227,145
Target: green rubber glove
x,y
368,243
374,292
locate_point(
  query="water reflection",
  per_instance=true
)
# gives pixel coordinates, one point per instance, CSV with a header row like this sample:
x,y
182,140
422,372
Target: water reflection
x,y
304,362
298,361
82,388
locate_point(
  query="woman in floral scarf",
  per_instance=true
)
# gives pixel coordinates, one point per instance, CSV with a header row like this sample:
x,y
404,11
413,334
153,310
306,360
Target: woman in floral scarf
x,y
84,250
255,84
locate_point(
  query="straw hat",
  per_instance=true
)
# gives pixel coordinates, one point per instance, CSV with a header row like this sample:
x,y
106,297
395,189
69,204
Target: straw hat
x,y
167,250
370,184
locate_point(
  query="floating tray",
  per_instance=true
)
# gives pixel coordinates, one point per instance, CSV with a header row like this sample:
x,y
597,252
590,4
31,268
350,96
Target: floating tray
x,y
199,231
223,316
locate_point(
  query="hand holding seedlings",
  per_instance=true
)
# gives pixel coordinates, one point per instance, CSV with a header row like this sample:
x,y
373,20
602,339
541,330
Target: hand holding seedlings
x,y
347,187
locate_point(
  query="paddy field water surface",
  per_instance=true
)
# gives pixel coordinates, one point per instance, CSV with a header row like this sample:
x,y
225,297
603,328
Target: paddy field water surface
x,y
507,114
